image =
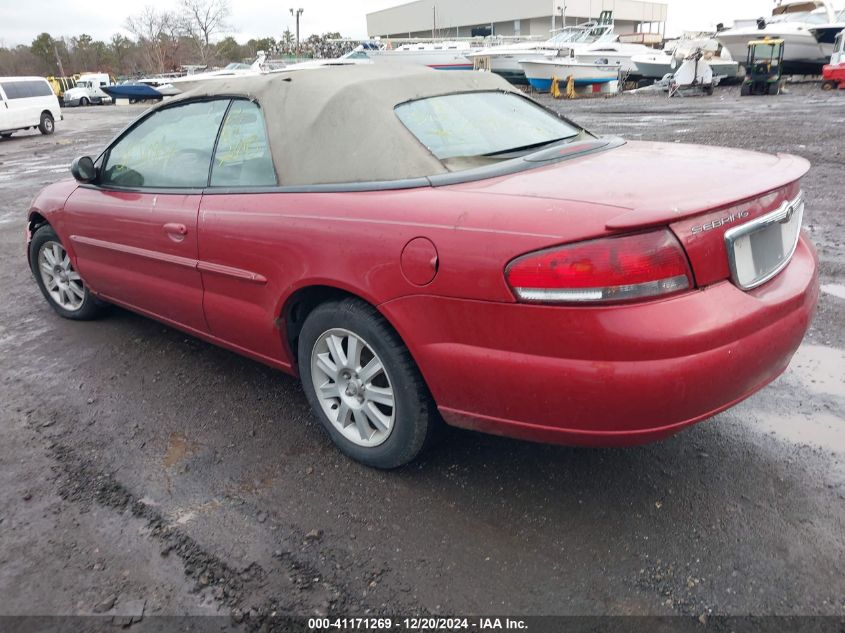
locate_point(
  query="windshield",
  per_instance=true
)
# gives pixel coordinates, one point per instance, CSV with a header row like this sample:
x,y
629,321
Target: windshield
x,y
486,125
580,34
815,17
83,84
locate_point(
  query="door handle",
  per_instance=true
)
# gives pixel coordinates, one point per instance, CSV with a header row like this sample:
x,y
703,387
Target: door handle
x,y
176,229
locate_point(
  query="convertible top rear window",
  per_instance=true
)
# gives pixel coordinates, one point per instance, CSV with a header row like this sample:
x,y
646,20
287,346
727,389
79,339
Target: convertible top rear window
x,y
481,125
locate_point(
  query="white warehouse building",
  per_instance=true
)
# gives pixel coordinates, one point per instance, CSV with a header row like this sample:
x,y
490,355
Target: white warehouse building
x,y
509,18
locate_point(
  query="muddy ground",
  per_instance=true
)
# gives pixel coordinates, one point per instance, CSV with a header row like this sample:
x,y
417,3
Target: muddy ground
x,y
143,472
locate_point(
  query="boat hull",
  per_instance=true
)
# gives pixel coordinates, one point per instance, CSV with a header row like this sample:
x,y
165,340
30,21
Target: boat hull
x,y
827,34
509,67
436,59
136,92
723,68
623,61
654,68
541,74
802,53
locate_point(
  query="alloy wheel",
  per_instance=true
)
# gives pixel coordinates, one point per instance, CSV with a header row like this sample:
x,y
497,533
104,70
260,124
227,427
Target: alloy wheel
x,y
62,282
353,387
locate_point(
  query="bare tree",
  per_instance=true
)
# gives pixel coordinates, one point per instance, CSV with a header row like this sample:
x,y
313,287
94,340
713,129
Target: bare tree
x,y
203,19
158,33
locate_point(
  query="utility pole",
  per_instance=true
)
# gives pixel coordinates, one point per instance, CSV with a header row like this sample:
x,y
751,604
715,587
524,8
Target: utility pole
x,y
296,13
58,60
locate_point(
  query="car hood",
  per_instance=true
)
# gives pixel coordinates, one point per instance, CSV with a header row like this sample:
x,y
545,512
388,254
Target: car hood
x,y
641,184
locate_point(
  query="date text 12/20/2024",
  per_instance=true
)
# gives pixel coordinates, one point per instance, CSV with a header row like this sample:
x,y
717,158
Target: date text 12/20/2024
x,y
416,624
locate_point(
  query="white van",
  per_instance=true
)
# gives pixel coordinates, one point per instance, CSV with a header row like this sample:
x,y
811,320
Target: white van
x,y
27,102
88,89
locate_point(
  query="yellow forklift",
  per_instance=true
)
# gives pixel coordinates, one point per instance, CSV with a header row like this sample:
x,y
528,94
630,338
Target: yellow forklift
x,y
763,67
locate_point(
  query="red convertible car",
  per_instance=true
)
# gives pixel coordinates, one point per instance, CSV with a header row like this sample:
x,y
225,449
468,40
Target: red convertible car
x,y
420,246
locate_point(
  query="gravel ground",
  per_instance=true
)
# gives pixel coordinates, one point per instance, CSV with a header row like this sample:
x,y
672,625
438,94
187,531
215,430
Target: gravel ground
x,y
144,472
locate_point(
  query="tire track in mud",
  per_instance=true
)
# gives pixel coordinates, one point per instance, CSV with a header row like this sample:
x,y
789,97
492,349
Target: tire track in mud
x,y
247,594
81,482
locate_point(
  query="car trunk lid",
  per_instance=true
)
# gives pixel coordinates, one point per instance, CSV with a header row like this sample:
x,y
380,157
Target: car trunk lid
x,y
699,192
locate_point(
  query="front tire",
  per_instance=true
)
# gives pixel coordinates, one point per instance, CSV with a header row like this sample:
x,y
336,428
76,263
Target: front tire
x,y
47,125
60,284
363,385
84,101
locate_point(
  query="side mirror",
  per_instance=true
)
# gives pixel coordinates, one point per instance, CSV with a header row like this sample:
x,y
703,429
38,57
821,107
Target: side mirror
x,y
83,169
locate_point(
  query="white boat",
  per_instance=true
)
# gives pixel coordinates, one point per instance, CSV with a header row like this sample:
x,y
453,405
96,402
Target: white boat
x,y
791,22
187,82
826,33
163,84
541,73
438,55
504,59
656,65
616,53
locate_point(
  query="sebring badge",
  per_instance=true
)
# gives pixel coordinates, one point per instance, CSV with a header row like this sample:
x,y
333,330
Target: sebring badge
x,y
715,224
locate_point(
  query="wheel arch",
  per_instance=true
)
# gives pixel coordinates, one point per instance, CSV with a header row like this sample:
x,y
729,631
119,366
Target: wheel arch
x,y
299,304
35,221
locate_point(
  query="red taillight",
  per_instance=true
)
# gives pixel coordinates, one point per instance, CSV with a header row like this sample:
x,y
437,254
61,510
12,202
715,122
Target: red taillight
x,y
622,268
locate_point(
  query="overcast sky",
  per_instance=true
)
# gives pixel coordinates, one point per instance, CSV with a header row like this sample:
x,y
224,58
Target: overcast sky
x,y
22,21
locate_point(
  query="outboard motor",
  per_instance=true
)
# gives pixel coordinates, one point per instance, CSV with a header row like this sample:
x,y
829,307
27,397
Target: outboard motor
x,y
761,23
720,27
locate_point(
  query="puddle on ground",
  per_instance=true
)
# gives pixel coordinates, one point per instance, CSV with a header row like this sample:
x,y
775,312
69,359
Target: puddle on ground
x,y
179,447
837,290
820,369
821,429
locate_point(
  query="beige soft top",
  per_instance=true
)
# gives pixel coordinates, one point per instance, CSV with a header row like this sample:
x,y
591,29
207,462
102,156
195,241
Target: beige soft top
x,y
335,124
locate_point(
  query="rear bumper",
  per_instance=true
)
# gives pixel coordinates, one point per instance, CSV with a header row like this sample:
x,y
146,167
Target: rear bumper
x,y
610,375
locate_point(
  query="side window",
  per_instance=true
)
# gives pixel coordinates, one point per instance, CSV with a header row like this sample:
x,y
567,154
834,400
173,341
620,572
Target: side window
x,y
243,155
39,89
169,149
11,89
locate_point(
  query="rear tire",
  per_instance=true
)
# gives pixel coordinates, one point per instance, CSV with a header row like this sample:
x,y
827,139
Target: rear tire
x,y
60,284
774,89
5,134
745,90
828,85
47,125
371,400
